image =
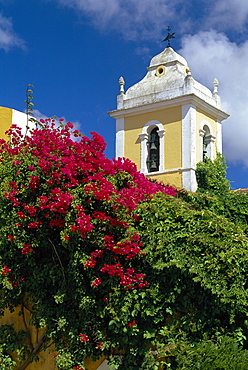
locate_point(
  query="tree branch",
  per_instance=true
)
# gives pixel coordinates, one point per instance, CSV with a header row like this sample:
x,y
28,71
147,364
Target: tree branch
x,y
26,327
33,353
58,258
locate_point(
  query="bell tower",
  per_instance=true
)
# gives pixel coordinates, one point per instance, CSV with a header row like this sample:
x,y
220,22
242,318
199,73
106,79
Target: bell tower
x,y
168,122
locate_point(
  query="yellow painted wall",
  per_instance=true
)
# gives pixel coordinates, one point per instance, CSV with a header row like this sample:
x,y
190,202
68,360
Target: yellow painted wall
x,y
171,121
173,179
5,121
46,358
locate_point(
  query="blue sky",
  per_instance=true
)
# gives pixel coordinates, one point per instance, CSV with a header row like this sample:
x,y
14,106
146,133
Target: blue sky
x,y
74,51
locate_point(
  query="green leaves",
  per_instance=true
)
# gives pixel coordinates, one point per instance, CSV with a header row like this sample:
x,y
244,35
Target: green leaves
x,y
211,176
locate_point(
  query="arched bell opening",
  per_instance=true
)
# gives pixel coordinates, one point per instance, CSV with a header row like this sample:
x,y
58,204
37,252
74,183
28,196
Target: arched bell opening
x,y
153,151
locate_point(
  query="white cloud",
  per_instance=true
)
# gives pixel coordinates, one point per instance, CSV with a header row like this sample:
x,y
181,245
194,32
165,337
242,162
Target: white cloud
x,y
8,38
134,19
146,19
228,14
209,55
101,11
38,116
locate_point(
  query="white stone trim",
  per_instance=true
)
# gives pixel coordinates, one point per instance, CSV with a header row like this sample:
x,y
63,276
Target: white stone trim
x,y
120,138
172,170
189,99
219,137
189,147
161,133
143,151
143,145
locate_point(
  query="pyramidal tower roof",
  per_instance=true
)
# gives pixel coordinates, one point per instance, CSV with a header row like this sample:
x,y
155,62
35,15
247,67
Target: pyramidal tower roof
x,y
168,77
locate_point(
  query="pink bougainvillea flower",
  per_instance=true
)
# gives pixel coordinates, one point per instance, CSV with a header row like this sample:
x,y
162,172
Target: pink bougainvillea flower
x,y
132,323
20,214
90,263
96,282
16,162
11,238
5,270
26,249
83,338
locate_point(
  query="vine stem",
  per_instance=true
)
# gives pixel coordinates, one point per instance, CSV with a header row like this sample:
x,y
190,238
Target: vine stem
x,y
58,258
25,325
33,353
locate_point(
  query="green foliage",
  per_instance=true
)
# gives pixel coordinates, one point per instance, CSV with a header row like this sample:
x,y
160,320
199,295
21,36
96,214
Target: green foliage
x,y
6,361
197,269
214,193
221,354
211,176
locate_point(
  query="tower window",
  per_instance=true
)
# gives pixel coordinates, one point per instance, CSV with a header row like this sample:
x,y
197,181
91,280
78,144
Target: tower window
x,y
207,142
153,151
152,147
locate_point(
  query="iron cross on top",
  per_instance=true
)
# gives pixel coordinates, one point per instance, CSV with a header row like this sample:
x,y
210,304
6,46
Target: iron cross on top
x,y
169,36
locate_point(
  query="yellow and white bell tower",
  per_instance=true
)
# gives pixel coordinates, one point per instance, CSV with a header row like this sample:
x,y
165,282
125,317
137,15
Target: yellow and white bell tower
x,y
168,122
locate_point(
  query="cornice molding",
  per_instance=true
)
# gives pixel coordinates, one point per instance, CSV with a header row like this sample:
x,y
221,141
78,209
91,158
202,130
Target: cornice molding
x,y
178,101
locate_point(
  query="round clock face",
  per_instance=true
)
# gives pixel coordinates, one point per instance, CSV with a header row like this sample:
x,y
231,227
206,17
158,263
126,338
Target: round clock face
x,y
160,71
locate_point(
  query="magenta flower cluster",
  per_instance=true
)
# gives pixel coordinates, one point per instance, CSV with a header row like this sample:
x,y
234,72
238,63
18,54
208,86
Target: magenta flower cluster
x,y
58,168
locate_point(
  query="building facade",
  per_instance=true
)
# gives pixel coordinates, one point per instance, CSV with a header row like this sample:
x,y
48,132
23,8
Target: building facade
x,y
9,117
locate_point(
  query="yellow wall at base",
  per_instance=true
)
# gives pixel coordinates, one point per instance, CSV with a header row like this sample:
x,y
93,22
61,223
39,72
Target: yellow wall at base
x,y
46,358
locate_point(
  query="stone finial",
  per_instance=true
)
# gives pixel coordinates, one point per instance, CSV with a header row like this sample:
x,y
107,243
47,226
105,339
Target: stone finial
x,y
189,74
215,85
189,82
215,92
121,84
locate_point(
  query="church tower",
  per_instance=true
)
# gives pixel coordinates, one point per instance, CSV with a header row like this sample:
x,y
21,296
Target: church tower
x,y
168,122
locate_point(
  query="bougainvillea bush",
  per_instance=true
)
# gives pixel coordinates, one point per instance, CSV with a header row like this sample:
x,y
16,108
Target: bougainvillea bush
x,y
70,254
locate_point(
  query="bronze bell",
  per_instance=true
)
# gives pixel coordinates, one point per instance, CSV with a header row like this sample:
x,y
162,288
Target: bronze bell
x,y
153,146
153,165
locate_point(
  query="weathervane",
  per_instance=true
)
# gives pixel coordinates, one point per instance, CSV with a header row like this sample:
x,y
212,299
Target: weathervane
x,y
169,36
